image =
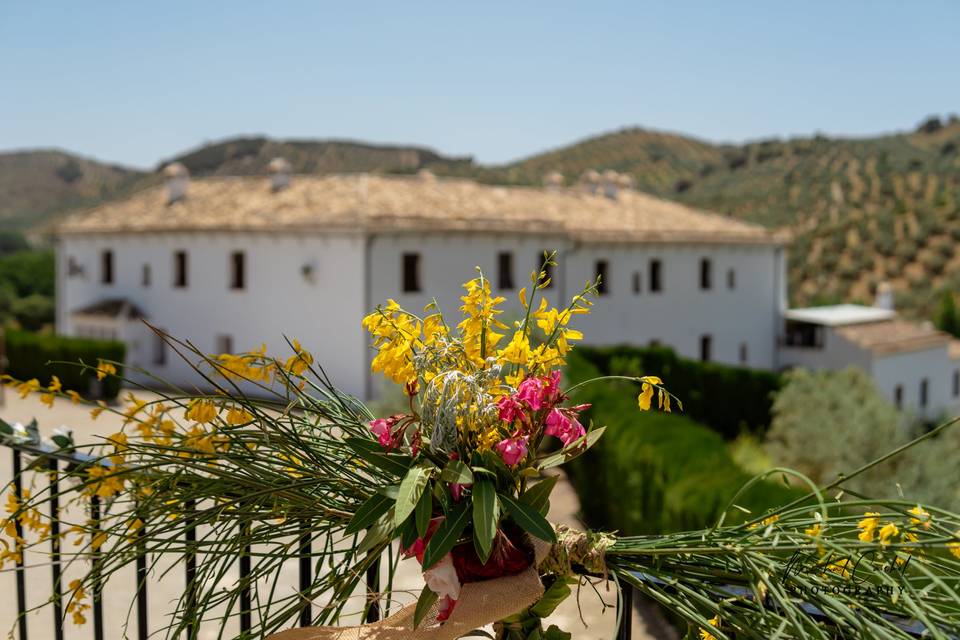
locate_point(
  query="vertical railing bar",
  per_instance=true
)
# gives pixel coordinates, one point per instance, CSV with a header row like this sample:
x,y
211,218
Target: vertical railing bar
x,y
21,578
96,579
142,631
246,620
373,591
55,549
626,619
306,574
190,560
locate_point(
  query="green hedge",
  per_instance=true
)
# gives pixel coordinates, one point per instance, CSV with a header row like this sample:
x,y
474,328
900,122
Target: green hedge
x,y
730,400
654,472
40,356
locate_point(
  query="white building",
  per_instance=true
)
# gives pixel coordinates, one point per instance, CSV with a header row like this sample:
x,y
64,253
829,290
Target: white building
x,y
230,263
915,366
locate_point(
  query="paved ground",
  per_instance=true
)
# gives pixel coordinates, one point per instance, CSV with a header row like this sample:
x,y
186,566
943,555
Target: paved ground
x,y
592,620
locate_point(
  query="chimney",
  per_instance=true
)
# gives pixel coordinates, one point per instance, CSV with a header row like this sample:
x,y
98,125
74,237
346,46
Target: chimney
x,y
611,183
553,181
884,298
280,170
178,178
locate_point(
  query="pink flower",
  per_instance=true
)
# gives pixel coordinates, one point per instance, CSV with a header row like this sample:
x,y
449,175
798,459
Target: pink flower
x,y
531,392
513,450
381,428
442,578
446,608
551,393
509,409
563,424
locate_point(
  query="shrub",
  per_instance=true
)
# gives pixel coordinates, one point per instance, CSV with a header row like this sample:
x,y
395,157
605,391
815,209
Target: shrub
x,y
33,312
654,472
727,399
32,355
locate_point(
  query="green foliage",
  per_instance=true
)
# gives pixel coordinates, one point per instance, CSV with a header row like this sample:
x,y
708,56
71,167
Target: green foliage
x,y
947,319
654,472
32,355
727,399
33,312
29,272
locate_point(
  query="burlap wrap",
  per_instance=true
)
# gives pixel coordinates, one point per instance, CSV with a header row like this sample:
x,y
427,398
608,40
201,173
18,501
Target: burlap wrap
x,y
481,603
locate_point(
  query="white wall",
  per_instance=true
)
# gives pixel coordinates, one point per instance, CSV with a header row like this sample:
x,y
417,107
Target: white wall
x,y
837,353
908,369
276,302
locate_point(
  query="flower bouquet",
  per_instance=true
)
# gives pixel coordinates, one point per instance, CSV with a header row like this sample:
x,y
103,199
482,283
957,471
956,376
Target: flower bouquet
x,y
276,463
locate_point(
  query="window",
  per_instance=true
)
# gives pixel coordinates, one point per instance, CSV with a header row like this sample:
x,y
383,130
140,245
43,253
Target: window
x,y
237,272
411,272
602,269
744,354
706,346
637,282
145,275
180,268
159,349
106,266
547,269
505,270
224,344
898,396
706,273
655,284
924,392
956,383
731,279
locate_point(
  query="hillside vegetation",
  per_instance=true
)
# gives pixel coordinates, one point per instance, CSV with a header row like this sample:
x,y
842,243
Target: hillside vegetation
x,y
861,210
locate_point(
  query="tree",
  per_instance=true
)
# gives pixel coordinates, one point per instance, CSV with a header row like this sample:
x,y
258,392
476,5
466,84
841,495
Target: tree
x,y
947,319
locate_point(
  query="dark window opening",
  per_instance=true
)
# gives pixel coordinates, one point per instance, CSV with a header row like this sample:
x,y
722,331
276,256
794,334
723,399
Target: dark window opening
x,y
731,279
706,273
956,384
505,270
602,269
924,392
898,396
706,346
145,276
743,353
237,272
803,334
224,344
655,283
547,269
159,349
411,272
180,268
106,267
637,282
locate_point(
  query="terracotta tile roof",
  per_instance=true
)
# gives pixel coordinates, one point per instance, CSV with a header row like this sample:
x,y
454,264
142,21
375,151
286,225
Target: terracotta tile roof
x,y
112,308
365,202
894,336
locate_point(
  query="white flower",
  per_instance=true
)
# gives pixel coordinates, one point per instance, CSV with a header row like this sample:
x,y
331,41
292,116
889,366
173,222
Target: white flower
x,y
20,432
442,578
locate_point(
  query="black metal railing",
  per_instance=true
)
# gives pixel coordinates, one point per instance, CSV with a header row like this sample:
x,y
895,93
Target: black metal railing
x,y
51,463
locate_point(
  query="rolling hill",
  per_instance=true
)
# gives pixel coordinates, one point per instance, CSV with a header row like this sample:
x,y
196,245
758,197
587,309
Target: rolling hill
x,y
862,210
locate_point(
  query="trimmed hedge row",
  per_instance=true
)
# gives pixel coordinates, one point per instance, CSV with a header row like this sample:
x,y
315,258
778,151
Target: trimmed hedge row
x,y
730,400
40,356
653,472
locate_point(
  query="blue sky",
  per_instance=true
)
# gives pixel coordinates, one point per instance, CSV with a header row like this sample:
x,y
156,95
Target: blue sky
x,y
135,82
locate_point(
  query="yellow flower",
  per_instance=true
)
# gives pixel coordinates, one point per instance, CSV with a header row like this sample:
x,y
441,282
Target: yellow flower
x,y
47,399
887,532
954,547
298,363
74,397
105,369
238,415
97,410
480,319
766,522
55,385
868,526
840,567
715,623
813,531
646,396
921,517
517,350
26,388
201,411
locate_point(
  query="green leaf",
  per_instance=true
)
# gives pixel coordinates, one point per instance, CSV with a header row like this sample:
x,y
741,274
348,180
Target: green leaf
x,y
529,519
446,535
371,452
570,452
424,603
423,512
551,599
378,534
538,495
5,428
368,513
411,488
486,513
457,472
556,633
